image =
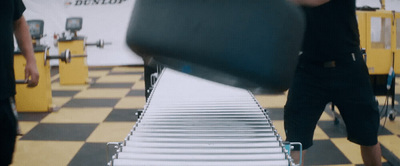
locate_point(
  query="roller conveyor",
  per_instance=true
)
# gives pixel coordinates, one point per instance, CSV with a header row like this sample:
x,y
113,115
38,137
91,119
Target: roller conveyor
x,y
191,121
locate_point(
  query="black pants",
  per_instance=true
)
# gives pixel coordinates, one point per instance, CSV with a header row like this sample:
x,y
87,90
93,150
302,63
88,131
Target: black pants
x,y
8,129
347,85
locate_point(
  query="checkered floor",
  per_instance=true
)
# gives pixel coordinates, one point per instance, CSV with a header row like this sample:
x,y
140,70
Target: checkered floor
x,y
104,111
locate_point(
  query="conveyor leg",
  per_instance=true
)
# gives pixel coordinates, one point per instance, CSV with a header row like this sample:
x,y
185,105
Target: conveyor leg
x,y
116,146
290,145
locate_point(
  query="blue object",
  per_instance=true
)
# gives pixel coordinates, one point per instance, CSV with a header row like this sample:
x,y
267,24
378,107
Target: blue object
x,y
391,75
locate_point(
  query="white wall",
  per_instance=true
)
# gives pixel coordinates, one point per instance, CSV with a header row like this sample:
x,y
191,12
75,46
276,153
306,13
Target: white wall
x,y
106,20
393,5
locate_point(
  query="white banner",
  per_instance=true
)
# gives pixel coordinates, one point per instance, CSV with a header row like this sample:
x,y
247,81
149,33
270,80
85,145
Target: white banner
x,y
102,19
389,4
370,3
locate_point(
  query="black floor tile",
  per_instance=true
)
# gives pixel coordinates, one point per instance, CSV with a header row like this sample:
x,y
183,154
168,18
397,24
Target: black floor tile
x,y
92,154
338,131
58,93
390,157
384,131
275,113
324,152
122,115
60,132
93,80
112,85
36,116
332,130
136,93
91,103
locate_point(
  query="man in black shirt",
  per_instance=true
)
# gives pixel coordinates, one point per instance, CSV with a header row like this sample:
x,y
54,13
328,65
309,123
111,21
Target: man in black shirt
x,y
331,69
12,22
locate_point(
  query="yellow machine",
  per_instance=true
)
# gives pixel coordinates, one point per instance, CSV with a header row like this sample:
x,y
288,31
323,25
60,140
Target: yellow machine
x,y
39,98
76,72
380,37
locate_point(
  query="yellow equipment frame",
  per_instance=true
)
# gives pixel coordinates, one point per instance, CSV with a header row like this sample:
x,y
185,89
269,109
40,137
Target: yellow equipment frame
x,y
76,72
39,98
379,52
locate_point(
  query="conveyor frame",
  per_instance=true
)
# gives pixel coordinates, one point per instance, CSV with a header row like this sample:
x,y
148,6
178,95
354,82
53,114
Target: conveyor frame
x,y
194,132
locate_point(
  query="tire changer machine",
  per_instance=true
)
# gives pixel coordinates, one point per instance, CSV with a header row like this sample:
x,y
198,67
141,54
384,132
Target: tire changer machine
x,y
76,72
39,98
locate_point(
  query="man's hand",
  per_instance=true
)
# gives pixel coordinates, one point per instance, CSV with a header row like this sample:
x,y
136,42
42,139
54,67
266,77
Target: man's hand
x,y
21,31
31,74
312,3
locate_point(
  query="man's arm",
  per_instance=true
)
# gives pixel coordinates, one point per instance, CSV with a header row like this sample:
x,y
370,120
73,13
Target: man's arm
x,y
21,31
310,2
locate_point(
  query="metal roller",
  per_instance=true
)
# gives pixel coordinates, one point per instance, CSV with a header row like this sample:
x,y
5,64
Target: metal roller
x,y
203,157
64,56
191,121
21,81
100,43
201,145
128,162
200,150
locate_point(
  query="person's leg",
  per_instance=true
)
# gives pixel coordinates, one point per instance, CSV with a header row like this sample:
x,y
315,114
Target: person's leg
x,y
8,132
359,109
306,101
296,156
362,122
371,155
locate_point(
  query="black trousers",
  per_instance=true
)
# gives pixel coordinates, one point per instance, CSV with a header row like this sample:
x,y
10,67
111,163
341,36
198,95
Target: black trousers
x,y
8,129
345,83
